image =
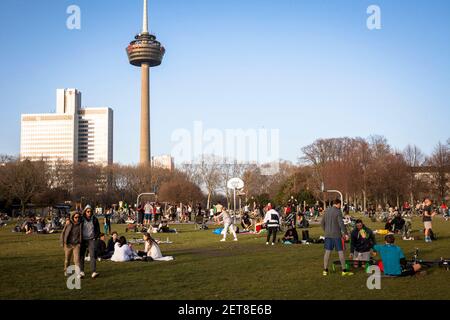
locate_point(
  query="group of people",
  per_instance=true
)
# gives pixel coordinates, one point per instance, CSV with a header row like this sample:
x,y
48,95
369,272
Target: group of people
x,y
39,225
363,246
81,235
4,219
152,212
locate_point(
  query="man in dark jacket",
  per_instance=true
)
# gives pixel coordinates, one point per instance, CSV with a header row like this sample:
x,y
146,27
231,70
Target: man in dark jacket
x,y
362,241
90,233
71,238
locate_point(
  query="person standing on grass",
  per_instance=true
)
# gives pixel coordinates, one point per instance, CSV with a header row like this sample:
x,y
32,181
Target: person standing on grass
x,y
218,208
71,237
272,223
428,214
228,225
107,222
148,210
91,232
333,225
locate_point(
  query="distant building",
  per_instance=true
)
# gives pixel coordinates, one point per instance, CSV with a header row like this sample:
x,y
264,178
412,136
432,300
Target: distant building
x,y
72,134
164,162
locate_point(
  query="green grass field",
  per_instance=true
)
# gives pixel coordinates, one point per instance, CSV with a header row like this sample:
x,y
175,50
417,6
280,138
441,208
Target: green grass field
x,y
31,267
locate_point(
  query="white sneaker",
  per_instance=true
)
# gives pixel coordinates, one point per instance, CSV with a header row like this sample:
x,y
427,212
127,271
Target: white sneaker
x,y
81,275
273,243
94,275
267,243
99,259
235,239
223,240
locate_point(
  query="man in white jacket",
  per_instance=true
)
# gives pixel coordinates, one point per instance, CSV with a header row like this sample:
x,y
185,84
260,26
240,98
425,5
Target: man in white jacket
x,y
228,225
272,223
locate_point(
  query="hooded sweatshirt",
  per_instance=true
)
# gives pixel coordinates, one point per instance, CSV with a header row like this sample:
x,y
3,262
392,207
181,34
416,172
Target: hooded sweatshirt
x,y
91,227
71,234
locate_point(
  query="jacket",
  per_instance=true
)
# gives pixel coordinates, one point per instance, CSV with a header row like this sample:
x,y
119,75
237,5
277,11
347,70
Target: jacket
x,y
360,243
94,221
67,232
272,219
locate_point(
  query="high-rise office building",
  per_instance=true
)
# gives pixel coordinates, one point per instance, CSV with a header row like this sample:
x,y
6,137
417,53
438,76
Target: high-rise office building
x,y
72,134
164,162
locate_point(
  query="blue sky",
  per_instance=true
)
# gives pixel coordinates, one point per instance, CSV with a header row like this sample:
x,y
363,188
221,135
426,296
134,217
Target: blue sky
x,y
308,67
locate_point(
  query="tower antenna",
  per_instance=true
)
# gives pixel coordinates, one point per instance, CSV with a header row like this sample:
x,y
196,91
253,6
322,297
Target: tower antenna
x,y
145,20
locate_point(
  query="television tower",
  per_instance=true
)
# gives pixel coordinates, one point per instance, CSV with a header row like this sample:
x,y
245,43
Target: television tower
x,y
145,52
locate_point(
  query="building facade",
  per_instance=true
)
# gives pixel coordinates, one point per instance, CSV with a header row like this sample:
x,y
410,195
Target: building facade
x,y
72,134
163,162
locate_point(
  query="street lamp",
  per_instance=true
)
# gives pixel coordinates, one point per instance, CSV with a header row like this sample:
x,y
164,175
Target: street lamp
x,y
333,191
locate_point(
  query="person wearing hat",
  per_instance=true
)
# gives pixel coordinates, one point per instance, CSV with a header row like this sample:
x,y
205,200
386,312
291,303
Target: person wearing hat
x,y
71,238
90,233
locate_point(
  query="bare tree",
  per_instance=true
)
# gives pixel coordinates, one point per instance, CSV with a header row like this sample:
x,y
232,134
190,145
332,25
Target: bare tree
x,y
209,172
414,158
24,180
440,162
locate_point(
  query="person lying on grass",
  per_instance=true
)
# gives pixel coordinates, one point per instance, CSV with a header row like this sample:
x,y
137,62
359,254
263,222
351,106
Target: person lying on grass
x,y
394,262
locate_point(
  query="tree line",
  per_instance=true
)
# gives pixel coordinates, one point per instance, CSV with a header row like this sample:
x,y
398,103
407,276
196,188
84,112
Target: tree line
x,y
369,172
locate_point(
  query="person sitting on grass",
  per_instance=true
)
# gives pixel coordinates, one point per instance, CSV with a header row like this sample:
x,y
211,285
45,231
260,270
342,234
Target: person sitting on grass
x,y
164,227
152,250
110,246
246,222
394,262
27,226
122,251
362,240
100,251
398,223
148,242
291,236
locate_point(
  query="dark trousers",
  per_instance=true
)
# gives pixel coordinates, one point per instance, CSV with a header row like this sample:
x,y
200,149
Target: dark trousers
x,y
270,231
88,245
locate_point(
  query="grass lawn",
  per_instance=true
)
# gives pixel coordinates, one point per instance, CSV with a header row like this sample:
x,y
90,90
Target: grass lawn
x,y
31,267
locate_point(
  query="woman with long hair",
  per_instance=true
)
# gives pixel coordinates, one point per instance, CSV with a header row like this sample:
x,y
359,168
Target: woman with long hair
x,y
152,250
122,251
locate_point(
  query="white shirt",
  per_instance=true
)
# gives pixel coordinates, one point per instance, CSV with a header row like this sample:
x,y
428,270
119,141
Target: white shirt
x,y
155,252
121,253
226,217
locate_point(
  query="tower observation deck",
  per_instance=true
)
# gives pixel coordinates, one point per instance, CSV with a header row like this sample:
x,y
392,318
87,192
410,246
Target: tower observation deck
x,y
145,52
